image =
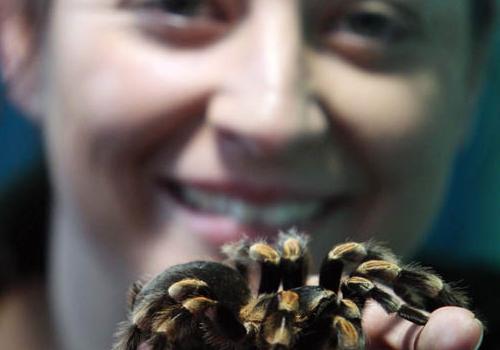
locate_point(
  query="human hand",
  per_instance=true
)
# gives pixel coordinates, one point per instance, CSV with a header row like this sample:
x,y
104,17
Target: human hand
x,y
449,328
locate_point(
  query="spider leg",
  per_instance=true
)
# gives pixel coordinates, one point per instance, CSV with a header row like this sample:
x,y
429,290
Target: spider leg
x,y
294,259
243,255
237,256
347,256
258,263
223,329
176,317
349,335
277,331
269,260
350,310
416,285
128,336
159,342
220,327
343,328
359,289
133,292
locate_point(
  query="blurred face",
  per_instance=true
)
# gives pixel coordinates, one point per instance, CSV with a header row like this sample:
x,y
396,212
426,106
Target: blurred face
x,y
176,125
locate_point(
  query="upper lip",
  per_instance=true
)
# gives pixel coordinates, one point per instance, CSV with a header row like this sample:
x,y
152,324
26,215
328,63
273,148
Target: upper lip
x,y
252,193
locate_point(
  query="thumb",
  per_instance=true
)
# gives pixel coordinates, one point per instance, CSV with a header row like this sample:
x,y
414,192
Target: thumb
x,y
448,328
451,328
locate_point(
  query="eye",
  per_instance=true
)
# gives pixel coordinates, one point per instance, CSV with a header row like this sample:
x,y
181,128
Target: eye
x,y
215,10
186,8
186,23
371,33
182,7
373,26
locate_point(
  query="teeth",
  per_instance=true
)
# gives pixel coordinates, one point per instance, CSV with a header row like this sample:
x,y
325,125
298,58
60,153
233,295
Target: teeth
x,y
283,213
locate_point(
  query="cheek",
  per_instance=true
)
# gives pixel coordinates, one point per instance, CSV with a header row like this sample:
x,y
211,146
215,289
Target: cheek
x,y
112,98
403,129
404,126
110,85
110,77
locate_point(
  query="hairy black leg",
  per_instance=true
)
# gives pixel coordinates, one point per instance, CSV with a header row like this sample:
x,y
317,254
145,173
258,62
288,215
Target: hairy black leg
x,y
345,330
277,331
377,251
159,342
333,265
255,312
174,316
238,256
269,260
416,285
348,335
224,327
360,289
218,325
350,310
346,257
133,292
142,318
420,284
128,336
188,288
294,259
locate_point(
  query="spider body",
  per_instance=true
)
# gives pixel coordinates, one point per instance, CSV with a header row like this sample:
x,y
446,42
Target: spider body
x,y
210,305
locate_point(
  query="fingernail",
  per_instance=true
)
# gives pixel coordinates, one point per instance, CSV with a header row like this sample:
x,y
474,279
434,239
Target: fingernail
x,y
480,341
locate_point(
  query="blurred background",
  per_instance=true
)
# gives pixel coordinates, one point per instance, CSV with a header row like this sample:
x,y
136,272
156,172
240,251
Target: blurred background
x,y
468,228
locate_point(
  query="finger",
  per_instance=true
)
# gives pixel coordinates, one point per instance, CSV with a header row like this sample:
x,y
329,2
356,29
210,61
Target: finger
x,y
449,328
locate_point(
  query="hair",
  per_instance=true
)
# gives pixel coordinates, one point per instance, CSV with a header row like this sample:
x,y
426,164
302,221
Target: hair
x,y
482,16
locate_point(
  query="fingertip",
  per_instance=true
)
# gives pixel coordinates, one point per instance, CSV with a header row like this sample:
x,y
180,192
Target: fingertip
x,y
451,328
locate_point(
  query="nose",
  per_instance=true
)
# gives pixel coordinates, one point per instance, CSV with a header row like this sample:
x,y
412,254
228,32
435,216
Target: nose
x,y
264,104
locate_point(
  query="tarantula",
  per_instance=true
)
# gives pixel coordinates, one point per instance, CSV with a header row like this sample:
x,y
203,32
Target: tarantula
x,y
209,305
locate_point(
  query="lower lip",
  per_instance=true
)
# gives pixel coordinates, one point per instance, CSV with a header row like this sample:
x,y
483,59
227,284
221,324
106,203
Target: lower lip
x,y
217,229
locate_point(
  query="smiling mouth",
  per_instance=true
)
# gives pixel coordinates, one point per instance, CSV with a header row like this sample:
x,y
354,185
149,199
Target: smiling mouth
x,y
264,207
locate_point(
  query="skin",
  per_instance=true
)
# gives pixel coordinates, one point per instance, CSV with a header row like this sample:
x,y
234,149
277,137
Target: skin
x,y
275,97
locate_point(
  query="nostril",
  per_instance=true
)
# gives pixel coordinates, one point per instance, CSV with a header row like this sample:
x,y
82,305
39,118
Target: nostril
x,y
247,145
